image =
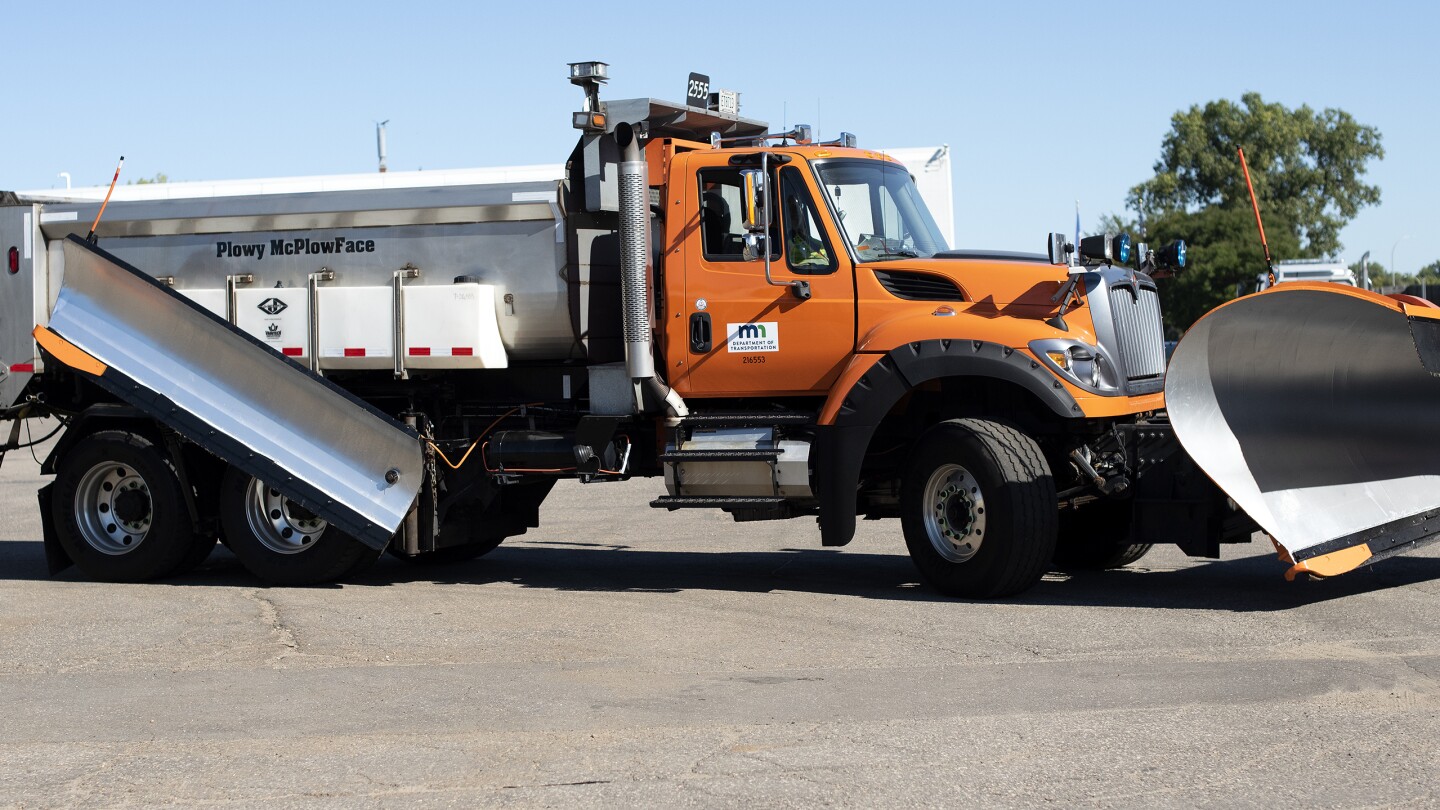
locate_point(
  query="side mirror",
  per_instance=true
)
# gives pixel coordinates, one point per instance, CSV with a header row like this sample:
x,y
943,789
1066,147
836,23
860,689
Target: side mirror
x,y
1057,249
755,247
755,201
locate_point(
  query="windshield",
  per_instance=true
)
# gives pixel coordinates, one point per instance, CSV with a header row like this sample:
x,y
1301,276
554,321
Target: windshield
x,y
879,209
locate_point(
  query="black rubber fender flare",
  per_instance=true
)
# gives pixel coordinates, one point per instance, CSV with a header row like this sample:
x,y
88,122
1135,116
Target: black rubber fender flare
x,y
840,447
99,416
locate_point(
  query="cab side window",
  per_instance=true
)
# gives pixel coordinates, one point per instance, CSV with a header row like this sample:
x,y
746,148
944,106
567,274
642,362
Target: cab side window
x,y
807,250
722,230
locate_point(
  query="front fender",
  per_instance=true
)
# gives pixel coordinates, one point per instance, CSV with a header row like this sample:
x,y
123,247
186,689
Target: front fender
x,y
867,392
1009,328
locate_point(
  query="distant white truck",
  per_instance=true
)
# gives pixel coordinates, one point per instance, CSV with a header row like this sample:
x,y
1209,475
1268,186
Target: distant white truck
x,y
1306,270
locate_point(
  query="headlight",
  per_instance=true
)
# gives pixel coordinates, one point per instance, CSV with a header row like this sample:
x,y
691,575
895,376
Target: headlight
x,y
1085,366
1080,363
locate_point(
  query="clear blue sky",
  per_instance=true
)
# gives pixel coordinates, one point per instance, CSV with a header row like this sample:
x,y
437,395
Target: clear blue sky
x,y
1041,103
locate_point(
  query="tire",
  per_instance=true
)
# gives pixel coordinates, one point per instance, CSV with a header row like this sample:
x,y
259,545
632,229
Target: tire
x,y
978,509
1088,537
279,541
119,509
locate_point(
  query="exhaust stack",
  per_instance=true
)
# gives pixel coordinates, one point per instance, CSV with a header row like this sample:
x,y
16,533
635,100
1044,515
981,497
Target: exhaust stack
x,y
635,272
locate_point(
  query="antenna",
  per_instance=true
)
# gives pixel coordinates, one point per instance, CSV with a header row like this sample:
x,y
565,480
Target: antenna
x,y
380,142
1255,204
90,237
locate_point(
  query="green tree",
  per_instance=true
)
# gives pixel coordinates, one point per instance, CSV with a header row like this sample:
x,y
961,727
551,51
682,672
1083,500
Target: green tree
x,y
160,177
1383,278
1307,167
1430,272
1379,276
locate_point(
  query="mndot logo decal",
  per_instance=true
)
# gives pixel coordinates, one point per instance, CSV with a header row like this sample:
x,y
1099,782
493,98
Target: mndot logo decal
x,y
752,337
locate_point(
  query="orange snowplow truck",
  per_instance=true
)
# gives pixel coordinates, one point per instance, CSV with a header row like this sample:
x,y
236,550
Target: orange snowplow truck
x,y
1007,407
775,326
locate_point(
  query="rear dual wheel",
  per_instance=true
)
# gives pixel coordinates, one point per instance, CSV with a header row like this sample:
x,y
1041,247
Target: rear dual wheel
x,y
280,540
120,510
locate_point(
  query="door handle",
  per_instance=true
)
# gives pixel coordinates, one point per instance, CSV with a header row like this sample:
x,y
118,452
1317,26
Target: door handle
x,y
700,332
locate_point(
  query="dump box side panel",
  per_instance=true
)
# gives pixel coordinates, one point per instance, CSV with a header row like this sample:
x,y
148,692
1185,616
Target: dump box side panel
x,y
232,395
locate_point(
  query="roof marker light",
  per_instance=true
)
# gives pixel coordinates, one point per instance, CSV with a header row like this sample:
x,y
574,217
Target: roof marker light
x,y
1172,255
1121,251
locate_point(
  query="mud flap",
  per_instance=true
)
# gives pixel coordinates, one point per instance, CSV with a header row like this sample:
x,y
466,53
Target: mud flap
x,y
1314,408
229,393
56,560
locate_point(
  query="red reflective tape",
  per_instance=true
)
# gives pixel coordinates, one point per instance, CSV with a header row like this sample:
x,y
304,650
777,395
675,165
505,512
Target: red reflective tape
x,y
28,368
354,352
419,351
462,351
292,351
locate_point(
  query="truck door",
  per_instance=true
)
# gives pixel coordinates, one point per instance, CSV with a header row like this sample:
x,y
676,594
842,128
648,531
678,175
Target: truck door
x,y
763,339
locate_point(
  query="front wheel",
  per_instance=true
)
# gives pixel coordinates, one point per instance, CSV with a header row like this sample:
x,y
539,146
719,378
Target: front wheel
x,y
281,541
978,509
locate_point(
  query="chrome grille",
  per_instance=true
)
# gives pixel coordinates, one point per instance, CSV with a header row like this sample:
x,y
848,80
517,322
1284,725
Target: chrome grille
x,y
1137,326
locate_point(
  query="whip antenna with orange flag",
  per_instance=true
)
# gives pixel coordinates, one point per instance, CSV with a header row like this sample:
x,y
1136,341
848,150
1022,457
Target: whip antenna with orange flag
x,y
1269,265
90,237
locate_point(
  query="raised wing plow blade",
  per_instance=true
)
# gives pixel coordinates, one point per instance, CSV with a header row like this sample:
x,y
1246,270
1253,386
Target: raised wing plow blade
x,y
1316,407
227,392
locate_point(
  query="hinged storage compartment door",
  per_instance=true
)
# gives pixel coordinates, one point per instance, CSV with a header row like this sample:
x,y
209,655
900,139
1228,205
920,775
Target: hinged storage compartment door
x,y
357,327
213,301
452,326
279,317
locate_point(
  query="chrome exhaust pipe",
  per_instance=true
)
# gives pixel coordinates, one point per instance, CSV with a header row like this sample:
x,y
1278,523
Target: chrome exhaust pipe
x,y
635,273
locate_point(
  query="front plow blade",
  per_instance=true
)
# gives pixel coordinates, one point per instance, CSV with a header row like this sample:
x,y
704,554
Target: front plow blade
x,y
1315,408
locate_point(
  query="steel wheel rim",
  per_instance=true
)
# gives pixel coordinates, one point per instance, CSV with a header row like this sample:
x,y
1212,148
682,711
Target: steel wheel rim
x,y
954,508
281,525
113,508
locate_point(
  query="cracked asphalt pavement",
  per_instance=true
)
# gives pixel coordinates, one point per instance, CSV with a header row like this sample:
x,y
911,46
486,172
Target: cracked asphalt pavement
x,y
624,656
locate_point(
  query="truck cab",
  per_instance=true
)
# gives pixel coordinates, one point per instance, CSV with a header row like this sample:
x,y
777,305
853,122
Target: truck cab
x,y
822,286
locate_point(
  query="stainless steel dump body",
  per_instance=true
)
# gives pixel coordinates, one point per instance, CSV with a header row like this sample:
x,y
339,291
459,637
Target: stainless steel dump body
x,y
507,236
